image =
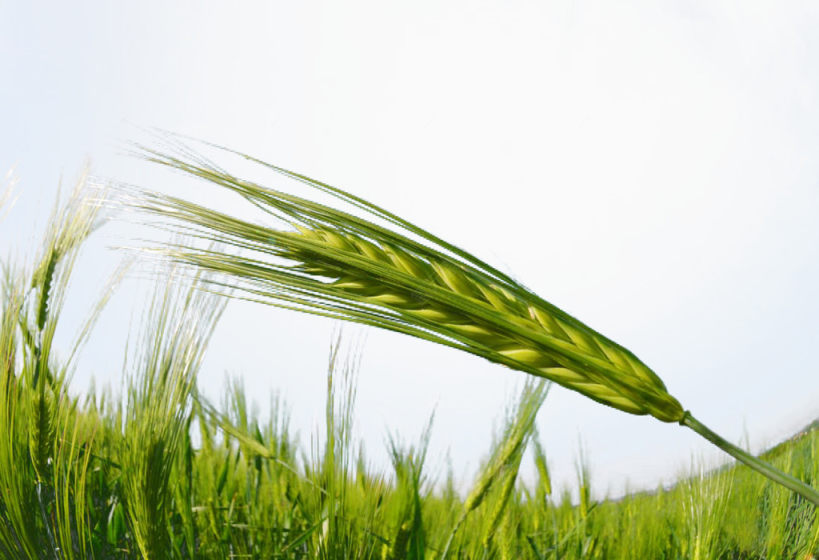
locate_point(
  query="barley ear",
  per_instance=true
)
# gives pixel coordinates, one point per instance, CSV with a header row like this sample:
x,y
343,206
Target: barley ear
x,y
389,273
544,480
507,487
42,430
505,459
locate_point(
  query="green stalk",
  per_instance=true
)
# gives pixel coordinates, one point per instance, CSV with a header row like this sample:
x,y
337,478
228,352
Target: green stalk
x,y
451,537
755,463
44,516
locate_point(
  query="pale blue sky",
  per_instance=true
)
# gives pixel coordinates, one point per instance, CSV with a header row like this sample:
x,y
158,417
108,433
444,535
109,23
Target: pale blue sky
x,y
649,167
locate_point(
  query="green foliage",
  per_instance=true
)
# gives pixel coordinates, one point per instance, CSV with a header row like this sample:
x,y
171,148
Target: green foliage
x,y
157,416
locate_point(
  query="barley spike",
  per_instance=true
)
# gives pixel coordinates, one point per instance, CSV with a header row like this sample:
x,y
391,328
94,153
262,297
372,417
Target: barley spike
x,y
361,272
400,277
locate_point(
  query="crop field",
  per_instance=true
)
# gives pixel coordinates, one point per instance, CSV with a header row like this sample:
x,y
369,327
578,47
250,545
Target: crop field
x,y
160,472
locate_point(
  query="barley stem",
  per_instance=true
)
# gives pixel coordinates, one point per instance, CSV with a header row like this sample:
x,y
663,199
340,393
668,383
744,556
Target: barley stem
x,y
755,463
44,517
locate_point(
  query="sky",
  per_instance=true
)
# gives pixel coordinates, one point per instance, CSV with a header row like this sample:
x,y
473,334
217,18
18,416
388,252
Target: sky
x,y
648,167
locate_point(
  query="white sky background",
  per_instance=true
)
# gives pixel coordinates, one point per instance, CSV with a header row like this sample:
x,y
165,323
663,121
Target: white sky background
x,y
651,168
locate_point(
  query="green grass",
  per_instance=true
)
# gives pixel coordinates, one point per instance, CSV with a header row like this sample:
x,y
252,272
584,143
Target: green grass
x,y
159,472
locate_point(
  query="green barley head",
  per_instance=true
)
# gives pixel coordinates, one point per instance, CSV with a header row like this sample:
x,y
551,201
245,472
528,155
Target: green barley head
x,y
399,277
